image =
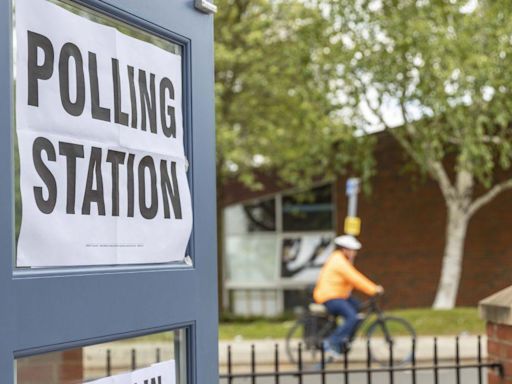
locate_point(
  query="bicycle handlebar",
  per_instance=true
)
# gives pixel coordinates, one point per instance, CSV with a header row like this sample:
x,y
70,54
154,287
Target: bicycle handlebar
x,y
371,303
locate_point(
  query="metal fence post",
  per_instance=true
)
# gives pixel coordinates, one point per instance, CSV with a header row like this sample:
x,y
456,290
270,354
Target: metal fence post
x,y
134,360
457,360
109,363
276,363
413,360
436,371
300,363
345,365
479,359
253,364
368,363
391,364
230,372
322,364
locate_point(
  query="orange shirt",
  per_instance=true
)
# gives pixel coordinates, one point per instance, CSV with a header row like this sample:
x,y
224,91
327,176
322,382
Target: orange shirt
x,y
338,278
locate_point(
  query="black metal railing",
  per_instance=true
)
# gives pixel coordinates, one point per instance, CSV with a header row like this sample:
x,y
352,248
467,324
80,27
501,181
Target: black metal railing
x,y
279,371
368,369
133,360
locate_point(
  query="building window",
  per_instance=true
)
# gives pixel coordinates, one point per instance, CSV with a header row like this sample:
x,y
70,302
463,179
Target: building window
x,y
252,217
251,242
274,245
309,211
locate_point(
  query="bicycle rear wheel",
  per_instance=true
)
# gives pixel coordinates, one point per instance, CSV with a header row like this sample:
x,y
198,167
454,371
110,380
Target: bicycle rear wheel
x,y
294,339
391,341
307,334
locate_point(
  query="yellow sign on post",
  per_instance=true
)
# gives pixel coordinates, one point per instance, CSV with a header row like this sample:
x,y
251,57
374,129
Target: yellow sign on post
x,y
352,225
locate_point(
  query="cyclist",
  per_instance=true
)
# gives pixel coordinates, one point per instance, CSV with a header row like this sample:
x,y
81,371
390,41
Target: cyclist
x,y
333,289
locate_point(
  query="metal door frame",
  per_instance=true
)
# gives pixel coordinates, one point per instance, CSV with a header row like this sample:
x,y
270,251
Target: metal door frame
x,y
55,309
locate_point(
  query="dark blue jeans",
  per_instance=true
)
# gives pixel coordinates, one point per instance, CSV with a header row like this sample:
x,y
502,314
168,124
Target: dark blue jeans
x,y
348,309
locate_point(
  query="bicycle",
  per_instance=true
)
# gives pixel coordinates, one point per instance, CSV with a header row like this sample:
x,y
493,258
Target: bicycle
x,y
315,324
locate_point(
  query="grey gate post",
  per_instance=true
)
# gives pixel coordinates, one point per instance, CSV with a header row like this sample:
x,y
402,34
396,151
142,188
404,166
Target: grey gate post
x,y
55,309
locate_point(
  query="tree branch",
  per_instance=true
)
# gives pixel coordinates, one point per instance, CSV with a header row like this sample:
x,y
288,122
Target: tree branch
x,y
484,139
375,111
434,168
439,173
403,109
489,196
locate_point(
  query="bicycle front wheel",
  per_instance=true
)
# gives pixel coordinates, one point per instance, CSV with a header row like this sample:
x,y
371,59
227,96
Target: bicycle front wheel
x,y
391,341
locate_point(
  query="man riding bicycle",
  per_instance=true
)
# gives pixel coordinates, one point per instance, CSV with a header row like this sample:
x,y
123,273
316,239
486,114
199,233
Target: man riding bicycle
x,y
333,289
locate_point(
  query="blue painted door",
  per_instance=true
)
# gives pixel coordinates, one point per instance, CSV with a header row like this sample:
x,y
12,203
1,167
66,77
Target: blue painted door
x,y
52,309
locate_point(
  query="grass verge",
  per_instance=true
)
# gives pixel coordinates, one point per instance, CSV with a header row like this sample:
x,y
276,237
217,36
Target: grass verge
x,y
424,320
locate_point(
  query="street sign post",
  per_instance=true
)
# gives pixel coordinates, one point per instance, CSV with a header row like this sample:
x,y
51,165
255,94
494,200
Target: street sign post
x,y
352,225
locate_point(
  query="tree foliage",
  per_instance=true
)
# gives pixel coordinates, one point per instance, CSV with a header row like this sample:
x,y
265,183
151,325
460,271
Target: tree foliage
x,y
276,108
443,67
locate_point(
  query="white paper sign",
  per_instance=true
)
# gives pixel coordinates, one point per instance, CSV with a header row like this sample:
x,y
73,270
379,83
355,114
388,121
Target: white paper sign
x,y
161,373
100,131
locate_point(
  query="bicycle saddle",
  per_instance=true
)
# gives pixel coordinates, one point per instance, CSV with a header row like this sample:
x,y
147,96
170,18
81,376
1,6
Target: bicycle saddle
x,y
319,309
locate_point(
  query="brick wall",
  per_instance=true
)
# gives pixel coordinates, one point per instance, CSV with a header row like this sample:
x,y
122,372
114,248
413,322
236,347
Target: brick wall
x,y
496,310
403,232
499,348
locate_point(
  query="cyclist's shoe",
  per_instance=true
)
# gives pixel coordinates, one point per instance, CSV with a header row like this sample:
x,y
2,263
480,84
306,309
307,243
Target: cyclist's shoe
x,y
331,353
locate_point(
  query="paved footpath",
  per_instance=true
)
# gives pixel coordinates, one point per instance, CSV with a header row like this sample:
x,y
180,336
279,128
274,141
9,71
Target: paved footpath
x,y
469,376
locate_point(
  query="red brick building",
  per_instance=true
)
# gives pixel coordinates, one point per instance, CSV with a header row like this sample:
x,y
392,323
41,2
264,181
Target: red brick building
x,y
403,233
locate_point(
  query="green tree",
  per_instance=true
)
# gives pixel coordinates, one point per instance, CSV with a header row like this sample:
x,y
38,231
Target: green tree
x,y
442,70
276,109
274,91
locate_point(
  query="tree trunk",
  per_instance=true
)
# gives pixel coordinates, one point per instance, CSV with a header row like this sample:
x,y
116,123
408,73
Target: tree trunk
x,y
456,229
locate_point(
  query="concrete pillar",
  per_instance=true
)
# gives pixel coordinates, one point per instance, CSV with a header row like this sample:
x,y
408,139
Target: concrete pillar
x,y
496,310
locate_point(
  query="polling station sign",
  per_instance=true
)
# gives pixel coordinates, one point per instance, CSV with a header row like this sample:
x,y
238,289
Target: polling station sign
x,y
161,373
99,121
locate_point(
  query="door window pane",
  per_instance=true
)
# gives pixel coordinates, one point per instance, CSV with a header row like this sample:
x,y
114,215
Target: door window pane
x,y
161,354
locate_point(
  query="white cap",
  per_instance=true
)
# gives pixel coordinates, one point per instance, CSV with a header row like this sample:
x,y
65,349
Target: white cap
x,y
349,242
